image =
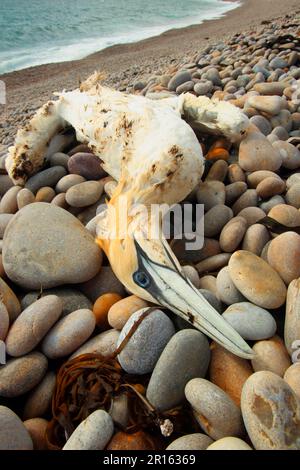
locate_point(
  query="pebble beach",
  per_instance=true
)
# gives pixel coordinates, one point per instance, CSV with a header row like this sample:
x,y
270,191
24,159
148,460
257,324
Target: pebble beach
x,y
159,383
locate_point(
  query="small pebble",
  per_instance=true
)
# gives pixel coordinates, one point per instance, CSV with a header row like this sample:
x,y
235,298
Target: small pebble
x,y
9,202
146,344
256,280
255,239
4,321
105,344
232,234
93,433
285,214
229,443
250,321
69,333
292,377
292,318
193,442
25,197
22,374
284,256
13,433
215,411
228,371
37,430
227,292
38,402
32,325
185,357
101,308
211,193
121,311
215,219
86,165
84,194
49,177
271,355
45,194
66,182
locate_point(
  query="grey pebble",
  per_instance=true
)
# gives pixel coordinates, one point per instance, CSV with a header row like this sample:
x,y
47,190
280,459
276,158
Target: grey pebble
x,y
250,321
13,434
145,346
185,357
93,433
49,177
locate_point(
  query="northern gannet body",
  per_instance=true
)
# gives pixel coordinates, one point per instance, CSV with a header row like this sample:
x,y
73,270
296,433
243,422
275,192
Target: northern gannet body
x,y
156,158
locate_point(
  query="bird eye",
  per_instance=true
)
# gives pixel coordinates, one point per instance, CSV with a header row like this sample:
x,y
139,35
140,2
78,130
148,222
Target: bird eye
x,y
141,279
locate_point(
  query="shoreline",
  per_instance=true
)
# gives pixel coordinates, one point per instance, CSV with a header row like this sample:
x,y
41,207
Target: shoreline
x,y
139,35
124,64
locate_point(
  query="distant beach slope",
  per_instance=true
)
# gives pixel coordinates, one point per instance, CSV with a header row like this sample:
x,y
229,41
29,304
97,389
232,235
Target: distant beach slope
x,y
34,33
124,64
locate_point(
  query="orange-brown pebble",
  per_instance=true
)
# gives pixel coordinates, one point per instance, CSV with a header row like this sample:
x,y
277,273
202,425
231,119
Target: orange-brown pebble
x,y
136,441
45,194
217,154
228,371
121,311
221,143
37,430
102,306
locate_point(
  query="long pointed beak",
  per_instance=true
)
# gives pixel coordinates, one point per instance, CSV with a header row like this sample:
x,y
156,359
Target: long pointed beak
x,y
170,288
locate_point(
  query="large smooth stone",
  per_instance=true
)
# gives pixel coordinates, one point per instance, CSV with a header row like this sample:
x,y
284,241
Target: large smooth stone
x,y
257,153
271,412
214,410
93,433
20,375
146,344
45,246
13,434
185,357
250,321
256,280
32,325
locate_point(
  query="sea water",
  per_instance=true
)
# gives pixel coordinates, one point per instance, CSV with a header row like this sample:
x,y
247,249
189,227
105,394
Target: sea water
x,y
34,32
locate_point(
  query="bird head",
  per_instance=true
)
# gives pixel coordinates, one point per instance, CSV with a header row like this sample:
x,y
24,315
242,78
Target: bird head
x,y
143,261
